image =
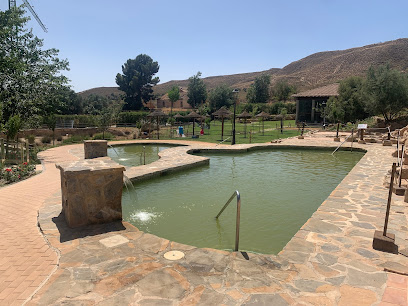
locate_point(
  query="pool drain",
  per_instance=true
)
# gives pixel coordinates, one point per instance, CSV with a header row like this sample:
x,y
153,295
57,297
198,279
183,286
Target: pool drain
x,y
174,255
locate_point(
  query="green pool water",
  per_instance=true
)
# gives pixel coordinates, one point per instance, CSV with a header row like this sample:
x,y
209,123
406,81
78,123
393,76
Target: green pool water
x,y
280,190
132,155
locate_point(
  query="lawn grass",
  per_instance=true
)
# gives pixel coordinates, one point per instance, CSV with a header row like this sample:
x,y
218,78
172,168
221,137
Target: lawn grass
x,y
259,134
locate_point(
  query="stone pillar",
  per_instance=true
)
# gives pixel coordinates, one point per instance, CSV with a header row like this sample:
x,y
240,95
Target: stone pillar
x,y
95,148
91,191
312,119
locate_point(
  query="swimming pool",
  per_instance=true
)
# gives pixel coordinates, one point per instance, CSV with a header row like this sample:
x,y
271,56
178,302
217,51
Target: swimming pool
x,y
280,189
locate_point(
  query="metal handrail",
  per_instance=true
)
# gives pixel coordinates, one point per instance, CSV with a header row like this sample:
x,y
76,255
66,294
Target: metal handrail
x,y
236,193
352,132
222,141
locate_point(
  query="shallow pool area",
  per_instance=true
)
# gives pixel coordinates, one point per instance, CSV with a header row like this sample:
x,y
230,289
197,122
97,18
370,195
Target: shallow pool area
x,y
280,189
136,154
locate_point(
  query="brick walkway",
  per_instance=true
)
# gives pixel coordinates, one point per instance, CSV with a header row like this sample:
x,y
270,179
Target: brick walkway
x,y
26,260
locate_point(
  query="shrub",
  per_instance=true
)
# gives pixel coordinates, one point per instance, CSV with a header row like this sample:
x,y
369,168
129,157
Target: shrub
x,y
31,139
75,139
46,139
131,117
99,136
59,138
17,173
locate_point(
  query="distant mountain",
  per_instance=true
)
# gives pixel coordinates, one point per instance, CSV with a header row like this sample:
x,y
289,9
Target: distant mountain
x,y
315,70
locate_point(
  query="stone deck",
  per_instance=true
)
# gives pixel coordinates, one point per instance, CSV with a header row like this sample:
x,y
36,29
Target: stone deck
x,y
329,261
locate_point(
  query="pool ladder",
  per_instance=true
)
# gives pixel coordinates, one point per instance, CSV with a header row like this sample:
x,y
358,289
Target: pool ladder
x,y
236,193
352,140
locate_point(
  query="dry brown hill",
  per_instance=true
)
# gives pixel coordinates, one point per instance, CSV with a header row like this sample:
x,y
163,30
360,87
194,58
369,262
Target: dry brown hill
x,y
315,70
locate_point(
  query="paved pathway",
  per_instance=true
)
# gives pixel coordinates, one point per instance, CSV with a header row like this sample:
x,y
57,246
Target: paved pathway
x,y
26,260
329,261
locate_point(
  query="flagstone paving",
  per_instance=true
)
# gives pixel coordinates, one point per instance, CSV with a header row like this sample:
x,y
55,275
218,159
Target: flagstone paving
x,y
329,261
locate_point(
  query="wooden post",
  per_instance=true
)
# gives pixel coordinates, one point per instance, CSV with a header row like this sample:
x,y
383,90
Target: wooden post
x,y
402,162
20,145
387,214
2,154
27,151
337,132
352,139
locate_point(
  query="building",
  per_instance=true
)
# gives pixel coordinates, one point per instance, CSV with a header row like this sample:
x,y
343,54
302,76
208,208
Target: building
x,y
310,103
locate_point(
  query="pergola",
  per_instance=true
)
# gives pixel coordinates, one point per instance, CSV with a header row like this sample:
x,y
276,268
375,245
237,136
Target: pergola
x,y
193,115
156,114
245,115
222,113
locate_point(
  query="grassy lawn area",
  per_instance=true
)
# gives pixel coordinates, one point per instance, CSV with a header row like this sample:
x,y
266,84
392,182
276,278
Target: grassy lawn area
x,y
271,131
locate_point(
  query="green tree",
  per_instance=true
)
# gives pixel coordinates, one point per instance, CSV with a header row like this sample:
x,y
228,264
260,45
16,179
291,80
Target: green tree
x,y
197,91
72,103
351,99
137,81
30,76
51,122
259,90
174,95
107,117
334,110
221,96
387,91
282,90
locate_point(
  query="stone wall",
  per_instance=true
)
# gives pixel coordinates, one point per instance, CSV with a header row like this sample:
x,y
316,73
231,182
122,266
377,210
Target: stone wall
x,y
91,191
95,148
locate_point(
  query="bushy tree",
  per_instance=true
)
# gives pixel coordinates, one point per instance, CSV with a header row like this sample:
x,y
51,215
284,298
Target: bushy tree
x,y
282,90
107,117
220,96
174,96
72,103
197,91
137,81
30,76
387,91
352,98
95,104
259,90
334,110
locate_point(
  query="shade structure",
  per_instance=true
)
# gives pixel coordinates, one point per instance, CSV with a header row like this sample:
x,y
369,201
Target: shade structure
x,y
178,116
157,114
222,113
264,116
245,115
193,115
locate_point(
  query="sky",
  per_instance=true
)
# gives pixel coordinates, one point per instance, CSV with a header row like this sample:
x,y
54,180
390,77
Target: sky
x,y
216,37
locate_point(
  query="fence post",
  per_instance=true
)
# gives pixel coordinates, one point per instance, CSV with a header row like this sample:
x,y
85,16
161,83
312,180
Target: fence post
x,y
27,151
21,151
2,149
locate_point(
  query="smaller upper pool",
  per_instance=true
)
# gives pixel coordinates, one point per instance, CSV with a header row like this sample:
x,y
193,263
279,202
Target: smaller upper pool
x,y
132,155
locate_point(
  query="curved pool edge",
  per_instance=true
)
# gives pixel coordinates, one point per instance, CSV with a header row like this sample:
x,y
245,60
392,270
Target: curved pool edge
x,y
312,263
182,157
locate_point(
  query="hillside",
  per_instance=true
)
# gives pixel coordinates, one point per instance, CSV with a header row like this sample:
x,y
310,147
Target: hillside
x,y
315,70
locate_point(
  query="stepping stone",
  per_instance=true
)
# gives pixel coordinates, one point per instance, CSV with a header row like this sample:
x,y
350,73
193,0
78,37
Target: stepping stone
x,y
114,241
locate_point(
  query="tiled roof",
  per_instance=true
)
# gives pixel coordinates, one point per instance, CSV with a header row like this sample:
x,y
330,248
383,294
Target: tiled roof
x,y
325,91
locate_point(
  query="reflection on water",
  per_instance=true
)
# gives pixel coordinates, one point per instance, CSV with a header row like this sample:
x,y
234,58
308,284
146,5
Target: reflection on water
x,y
134,155
279,190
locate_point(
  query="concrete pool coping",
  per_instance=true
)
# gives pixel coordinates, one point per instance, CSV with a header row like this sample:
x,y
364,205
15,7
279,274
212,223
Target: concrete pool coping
x,y
329,260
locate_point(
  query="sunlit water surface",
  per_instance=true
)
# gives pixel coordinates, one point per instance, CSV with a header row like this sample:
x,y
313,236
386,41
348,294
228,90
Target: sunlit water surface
x,y
134,155
280,190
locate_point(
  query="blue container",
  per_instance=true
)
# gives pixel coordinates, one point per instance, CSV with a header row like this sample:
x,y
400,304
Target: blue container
x,y
181,130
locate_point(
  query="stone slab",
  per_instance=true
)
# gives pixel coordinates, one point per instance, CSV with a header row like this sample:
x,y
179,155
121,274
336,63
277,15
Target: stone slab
x,y
384,243
114,241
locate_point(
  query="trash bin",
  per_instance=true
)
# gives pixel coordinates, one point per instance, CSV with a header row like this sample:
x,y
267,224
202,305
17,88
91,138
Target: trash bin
x,y
181,130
